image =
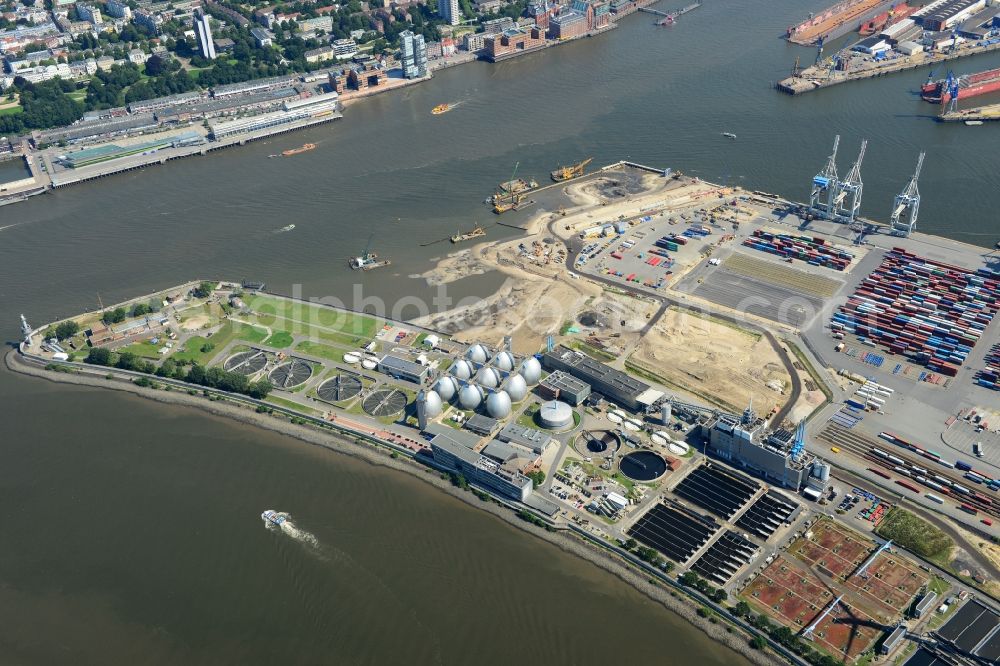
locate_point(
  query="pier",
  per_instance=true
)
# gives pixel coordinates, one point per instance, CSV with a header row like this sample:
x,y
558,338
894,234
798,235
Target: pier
x,y
987,113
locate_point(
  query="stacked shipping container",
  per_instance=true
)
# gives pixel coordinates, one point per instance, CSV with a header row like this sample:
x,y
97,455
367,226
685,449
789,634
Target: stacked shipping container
x,y
810,249
990,376
928,311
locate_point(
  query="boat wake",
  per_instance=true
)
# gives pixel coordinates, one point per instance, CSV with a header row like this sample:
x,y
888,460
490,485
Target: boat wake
x,y
284,229
276,520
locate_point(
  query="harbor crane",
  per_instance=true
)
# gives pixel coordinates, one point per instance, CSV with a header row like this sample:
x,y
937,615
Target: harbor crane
x,y
953,102
847,202
903,220
808,633
824,185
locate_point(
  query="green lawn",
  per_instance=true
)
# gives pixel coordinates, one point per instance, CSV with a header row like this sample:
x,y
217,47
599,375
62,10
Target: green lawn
x,y
321,350
11,110
279,340
270,307
229,332
289,404
144,349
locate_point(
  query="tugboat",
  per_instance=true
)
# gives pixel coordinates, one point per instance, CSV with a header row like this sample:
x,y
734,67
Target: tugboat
x,y
441,108
272,517
368,260
468,235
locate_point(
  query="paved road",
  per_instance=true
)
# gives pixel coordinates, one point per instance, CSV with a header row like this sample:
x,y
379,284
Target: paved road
x,y
666,301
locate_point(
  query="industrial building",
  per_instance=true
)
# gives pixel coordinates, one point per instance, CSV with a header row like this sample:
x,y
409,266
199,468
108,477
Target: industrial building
x,y
481,424
318,106
894,640
614,385
925,605
778,457
531,438
479,469
945,14
400,368
564,386
974,631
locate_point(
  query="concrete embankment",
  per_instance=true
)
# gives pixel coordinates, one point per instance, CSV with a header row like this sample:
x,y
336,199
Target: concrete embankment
x,y
987,113
563,539
815,78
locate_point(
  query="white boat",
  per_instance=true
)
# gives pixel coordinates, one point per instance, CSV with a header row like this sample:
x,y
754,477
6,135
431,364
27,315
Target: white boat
x,y
729,135
272,517
973,122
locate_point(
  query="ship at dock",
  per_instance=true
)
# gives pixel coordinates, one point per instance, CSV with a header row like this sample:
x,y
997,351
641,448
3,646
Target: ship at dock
x,y
468,235
894,15
570,172
966,85
836,21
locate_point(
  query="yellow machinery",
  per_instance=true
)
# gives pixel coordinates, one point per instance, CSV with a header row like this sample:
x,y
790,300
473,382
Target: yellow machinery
x,y
569,172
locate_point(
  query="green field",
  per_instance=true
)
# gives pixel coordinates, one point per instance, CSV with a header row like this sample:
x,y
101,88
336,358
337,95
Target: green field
x,y
143,349
270,309
11,110
229,332
321,350
279,340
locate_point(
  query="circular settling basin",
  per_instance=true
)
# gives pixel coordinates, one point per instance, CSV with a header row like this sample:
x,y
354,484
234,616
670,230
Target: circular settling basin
x,y
643,466
601,441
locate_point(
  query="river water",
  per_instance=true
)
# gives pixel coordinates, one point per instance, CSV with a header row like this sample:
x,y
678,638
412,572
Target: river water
x,y
133,531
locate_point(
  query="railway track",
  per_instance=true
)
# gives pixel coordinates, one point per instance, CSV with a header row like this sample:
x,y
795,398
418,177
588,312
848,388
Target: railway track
x,y
911,468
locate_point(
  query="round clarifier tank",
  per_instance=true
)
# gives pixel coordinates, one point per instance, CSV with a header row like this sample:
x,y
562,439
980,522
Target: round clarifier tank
x,y
602,441
555,415
643,466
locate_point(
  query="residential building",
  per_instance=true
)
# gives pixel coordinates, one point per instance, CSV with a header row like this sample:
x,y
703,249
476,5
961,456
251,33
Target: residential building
x,y
568,25
90,14
264,37
118,9
324,23
46,72
474,41
153,22
344,48
319,55
204,30
138,56
450,11
513,42
413,55
496,26
488,6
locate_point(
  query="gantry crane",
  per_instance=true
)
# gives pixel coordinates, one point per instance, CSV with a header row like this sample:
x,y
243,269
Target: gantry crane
x,y
907,205
824,185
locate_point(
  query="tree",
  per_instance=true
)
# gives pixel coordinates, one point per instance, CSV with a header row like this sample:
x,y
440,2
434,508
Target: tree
x,y
537,477
99,356
741,609
631,544
115,316
140,309
203,290
67,329
758,643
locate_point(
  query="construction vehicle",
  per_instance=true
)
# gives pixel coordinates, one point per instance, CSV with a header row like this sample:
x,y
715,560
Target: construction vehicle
x,y
503,203
570,172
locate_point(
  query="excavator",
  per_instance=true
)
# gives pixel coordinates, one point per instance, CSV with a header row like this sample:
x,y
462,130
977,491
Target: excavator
x,y
570,172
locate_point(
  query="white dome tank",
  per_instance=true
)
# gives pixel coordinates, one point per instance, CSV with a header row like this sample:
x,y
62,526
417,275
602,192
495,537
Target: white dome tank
x,y
555,415
470,396
488,377
531,370
462,369
477,354
517,389
446,387
504,360
432,403
498,405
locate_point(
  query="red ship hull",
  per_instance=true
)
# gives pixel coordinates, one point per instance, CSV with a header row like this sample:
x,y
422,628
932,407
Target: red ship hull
x,y
885,19
971,85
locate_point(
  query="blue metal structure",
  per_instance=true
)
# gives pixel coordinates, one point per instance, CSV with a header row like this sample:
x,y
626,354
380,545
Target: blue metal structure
x,y
829,609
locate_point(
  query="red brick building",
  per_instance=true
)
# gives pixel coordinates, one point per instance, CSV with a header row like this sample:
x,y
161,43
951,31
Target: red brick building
x,y
513,42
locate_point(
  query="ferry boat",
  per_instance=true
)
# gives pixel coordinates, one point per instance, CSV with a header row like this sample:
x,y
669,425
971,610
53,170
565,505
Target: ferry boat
x,y
304,148
441,108
272,517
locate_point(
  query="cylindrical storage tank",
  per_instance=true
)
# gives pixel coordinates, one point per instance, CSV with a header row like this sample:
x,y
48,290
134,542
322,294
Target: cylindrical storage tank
x,y
555,415
504,360
488,377
462,369
470,396
823,472
369,364
531,370
498,405
517,389
432,403
446,387
666,411
477,354
351,358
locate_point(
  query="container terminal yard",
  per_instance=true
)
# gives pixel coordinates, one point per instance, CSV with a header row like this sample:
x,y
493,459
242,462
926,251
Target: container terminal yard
x,y
880,350
938,32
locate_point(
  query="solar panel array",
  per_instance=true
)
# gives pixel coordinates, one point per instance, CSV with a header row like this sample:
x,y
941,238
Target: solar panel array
x,y
673,532
720,491
725,557
766,515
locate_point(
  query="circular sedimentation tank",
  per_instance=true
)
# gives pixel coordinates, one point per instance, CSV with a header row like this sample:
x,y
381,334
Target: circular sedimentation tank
x,y
290,374
386,402
246,363
601,441
643,466
555,415
339,388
